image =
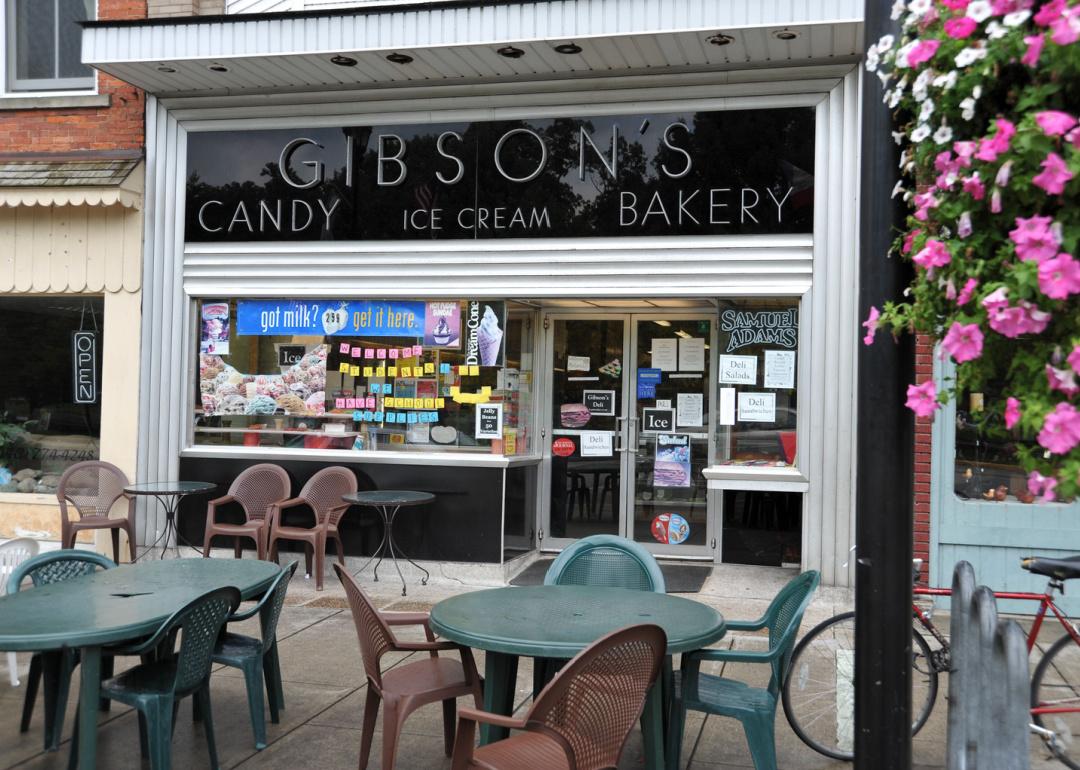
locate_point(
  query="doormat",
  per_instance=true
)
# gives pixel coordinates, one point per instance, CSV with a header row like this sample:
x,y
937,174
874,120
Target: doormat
x,y
679,578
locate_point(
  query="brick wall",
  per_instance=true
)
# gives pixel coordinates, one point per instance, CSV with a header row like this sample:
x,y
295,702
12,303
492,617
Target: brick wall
x,y
924,370
60,130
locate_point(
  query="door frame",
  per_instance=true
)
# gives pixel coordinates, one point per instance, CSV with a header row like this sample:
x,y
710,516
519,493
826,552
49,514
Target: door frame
x,y
545,414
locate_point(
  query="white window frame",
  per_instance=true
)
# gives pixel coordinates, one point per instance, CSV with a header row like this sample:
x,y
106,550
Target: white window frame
x,y
10,86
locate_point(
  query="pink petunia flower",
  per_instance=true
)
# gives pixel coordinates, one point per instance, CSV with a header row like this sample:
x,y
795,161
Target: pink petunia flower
x,y
934,254
1050,11
1035,320
1065,30
1074,359
1059,277
964,342
974,186
967,291
1003,174
922,52
1062,379
1061,429
995,201
960,28
1036,238
999,297
1024,318
950,289
871,325
1054,175
1012,412
964,152
963,225
1054,122
1041,486
922,399
909,240
992,146
1035,45
956,5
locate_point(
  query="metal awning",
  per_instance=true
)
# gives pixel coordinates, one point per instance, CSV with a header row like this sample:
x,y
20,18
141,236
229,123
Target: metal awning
x,y
459,41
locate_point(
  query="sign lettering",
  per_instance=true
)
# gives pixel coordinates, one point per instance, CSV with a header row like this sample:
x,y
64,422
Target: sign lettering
x,y
84,367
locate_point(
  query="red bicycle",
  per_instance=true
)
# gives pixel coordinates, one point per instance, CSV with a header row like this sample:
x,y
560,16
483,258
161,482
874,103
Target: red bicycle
x,y
819,692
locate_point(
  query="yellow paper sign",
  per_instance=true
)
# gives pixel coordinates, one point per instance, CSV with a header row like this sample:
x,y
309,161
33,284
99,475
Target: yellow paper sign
x,y
429,403
388,402
429,368
391,371
380,372
344,368
368,370
410,403
454,390
354,371
463,370
474,371
440,403
406,371
486,390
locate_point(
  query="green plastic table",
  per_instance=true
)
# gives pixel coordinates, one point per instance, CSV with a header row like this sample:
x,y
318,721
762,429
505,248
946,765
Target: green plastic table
x,y
113,606
559,622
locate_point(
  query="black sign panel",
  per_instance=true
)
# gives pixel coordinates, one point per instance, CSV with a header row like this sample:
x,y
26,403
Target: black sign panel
x,y
656,174
600,403
287,355
657,420
84,386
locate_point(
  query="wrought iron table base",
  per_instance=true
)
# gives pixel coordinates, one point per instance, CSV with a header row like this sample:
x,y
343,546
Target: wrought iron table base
x,y
171,504
388,543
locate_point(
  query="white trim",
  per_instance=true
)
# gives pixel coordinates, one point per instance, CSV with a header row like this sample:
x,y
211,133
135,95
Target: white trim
x,y
265,454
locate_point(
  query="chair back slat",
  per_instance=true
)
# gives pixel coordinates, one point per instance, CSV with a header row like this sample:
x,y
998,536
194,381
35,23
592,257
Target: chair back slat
x,y
12,554
199,625
92,487
56,567
607,561
259,486
376,638
593,703
325,489
271,611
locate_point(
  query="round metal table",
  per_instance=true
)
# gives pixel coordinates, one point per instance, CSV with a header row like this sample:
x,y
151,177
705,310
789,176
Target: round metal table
x,y
113,606
168,494
559,622
388,502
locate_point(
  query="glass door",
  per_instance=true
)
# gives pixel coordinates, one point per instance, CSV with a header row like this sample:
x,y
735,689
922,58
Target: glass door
x,y
667,498
628,420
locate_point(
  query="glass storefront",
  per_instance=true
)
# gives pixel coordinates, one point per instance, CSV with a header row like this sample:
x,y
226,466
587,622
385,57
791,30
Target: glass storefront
x,y
51,409
367,375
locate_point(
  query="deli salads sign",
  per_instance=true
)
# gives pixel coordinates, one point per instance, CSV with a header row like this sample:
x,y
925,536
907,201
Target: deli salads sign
x,y
693,173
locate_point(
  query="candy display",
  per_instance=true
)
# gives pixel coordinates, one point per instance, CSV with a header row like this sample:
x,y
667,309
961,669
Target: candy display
x,y
612,368
261,405
300,390
574,415
670,529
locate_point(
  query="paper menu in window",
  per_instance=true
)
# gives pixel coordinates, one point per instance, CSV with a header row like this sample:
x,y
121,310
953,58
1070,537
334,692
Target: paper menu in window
x,y
757,407
692,354
577,363
595,444
690,408
779,368
665,355
727,406
738,370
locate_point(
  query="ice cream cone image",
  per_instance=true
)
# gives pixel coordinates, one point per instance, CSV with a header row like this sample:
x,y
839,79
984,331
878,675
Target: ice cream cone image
x,y
489,338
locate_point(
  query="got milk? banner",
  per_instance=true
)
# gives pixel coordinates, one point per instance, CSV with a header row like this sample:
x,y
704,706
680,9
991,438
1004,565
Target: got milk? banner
x,y
330,317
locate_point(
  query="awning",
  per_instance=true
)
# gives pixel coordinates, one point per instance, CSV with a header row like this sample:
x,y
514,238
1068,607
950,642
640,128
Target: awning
x,y
456,41
71,182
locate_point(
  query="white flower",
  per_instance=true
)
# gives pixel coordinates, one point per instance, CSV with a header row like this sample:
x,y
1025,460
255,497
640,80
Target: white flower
x,y
921,84
885,43
902,54
963,227
897,10
872,59
976,92
946,81
919,7
908,196
1002,178
943,135
1016,18
903,158
995,31
884,77
921,133
969,56
927,111
894,97
980,10
945,232
898,137
898,189
967,108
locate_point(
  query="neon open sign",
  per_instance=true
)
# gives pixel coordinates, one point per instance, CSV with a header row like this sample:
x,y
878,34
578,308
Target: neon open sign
x,y
84,367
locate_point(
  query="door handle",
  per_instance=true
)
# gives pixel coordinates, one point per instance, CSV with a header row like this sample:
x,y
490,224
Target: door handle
x,y
633,448
619,447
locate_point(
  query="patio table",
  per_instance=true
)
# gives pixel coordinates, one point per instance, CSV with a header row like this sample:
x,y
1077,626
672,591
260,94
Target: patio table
x,y
561,621
113,606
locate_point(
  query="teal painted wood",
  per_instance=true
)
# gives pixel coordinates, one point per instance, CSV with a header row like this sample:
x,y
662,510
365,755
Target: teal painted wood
x,y
560,621
607,560
992,536
119,604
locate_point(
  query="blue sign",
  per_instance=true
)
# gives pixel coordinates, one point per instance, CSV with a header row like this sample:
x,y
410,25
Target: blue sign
x,y
364,318
647,380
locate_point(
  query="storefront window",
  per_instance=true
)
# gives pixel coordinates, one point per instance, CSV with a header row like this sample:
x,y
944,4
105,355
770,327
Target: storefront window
x,y
757,362
367,375
51,410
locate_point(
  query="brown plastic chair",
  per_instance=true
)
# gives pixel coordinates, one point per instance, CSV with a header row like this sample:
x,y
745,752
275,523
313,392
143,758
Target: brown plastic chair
x,y
92,487
406,687
256,489
582,718
322,494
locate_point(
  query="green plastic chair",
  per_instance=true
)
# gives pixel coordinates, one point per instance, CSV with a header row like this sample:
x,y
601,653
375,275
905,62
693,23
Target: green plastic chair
x,y
55,667
258,658
155,688
753,706
608,561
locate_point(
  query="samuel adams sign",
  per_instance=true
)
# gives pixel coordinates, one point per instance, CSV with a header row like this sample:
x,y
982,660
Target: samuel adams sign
x,y
700,173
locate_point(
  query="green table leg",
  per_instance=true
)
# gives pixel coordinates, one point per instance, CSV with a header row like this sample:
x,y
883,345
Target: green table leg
x,y
89,692
500,680
653,727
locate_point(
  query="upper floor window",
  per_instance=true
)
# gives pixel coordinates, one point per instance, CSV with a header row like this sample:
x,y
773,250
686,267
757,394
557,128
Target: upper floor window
x,y
44,45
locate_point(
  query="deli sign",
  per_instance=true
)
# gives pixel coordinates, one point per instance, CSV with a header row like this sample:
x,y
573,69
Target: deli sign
x,y
84,367
687,173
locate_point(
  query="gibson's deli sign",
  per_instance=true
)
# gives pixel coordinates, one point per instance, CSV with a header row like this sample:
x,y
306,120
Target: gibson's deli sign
x,y
692,173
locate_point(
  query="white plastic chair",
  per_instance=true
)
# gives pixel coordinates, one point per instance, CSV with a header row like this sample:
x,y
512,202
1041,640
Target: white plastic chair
x,y
13,553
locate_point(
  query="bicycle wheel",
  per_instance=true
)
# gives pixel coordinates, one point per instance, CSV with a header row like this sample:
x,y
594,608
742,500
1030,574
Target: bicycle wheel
x,y
1056,684
819,691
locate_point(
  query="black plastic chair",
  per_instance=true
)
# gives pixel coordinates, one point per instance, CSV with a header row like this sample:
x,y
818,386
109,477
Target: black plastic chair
x,y
55,666
258,658
155,688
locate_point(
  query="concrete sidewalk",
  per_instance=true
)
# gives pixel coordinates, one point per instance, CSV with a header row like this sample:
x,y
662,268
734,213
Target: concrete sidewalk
x,y
324,692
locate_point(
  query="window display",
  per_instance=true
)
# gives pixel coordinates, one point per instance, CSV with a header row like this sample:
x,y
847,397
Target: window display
x,y
366,374
51,406
757,365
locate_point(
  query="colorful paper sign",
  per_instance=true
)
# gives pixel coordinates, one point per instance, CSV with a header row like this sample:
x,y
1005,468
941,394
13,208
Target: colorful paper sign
x,y
369,318
442,325
671,465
